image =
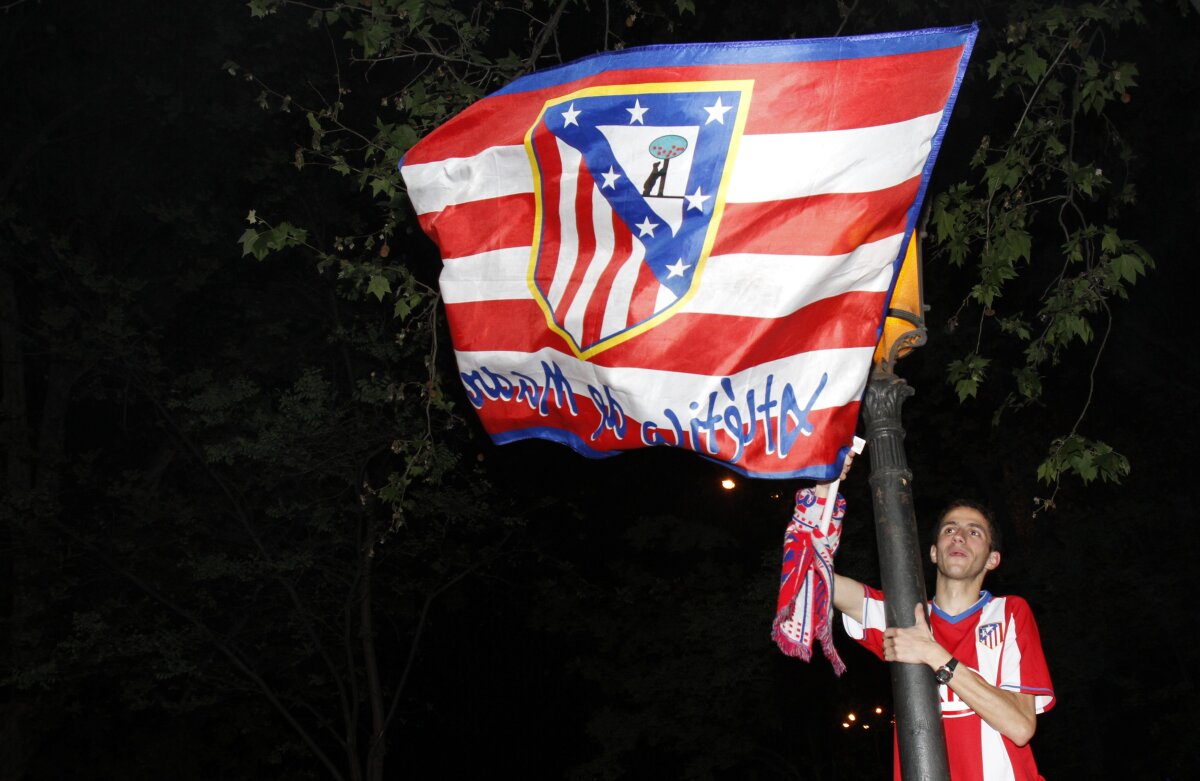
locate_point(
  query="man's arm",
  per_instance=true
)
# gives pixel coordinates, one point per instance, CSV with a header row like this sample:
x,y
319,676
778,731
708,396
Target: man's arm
x,y
848,596
1012,714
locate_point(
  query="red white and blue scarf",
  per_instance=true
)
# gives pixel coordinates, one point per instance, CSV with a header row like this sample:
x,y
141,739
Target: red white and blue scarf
x,y
805,605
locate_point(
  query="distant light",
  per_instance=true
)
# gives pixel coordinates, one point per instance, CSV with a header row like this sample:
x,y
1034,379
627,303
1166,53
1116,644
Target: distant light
x,y
878,711
728,484
846,724
852,717
866,726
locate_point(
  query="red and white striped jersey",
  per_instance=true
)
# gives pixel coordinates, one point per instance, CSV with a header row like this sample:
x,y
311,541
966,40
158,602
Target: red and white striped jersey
x,y
997,638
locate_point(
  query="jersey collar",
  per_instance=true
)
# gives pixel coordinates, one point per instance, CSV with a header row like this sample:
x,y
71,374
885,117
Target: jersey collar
x,y
984,598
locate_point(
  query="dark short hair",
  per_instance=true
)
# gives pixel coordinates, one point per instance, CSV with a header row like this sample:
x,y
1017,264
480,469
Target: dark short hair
x,y
994,538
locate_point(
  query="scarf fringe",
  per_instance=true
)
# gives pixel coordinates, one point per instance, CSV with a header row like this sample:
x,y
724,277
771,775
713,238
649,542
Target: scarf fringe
x,y
787,644
800,650
826,637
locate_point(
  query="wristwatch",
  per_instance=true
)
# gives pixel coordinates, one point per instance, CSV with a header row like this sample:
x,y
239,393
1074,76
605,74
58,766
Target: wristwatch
x,y
946,671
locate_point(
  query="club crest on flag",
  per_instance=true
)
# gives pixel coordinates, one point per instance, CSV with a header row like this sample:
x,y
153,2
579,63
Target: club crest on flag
x,y
989,635
629,185
688,246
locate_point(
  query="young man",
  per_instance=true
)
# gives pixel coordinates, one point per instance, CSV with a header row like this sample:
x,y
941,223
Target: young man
x,y
984,650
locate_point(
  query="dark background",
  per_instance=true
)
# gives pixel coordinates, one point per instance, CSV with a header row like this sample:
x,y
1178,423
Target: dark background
x,y
181,541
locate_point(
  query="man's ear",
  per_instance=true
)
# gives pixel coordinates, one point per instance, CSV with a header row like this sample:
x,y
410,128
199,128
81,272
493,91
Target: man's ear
x,y
933,553
993,560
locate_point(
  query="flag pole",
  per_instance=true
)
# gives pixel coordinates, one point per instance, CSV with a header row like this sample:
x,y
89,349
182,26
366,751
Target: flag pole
x,y
919,730
827,513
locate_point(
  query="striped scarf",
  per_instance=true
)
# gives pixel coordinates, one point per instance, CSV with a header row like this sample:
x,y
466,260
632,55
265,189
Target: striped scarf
x,y
806,588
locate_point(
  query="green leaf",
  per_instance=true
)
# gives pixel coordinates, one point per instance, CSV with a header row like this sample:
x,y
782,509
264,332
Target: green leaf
x,y
382,185
1086,458
406,304
248,239
379,286
262,243
1129,266
1016,245
998,62
1123,77
967,375
1015,326
1029,384
1002,174
1032,63
260,8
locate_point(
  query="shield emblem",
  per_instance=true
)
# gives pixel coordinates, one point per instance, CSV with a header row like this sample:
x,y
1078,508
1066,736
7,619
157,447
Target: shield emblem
x,y
629,186
989,635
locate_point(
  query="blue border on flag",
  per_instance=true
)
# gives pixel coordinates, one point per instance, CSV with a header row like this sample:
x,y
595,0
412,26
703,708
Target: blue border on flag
x,y
822,472
969,32
748,53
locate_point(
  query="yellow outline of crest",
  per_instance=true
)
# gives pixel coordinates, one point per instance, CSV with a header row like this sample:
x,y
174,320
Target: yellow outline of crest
x,y
746,88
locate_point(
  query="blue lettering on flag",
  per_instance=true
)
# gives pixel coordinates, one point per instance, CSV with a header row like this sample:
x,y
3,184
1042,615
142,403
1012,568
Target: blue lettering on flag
x,y
720,419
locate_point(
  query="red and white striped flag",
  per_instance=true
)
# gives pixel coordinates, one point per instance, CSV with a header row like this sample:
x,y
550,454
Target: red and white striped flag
x,y
690,246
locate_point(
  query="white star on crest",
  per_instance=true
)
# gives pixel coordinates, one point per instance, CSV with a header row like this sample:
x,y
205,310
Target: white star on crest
x,y
716,112
610,178
696,200
677,268
571,116
635,113
646,227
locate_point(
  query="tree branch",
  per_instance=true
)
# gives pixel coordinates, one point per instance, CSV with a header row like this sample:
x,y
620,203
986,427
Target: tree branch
x,y
544,37
228,652
240,513
422,619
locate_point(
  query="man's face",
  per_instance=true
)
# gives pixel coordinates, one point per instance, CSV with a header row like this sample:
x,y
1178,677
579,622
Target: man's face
x,y
962,550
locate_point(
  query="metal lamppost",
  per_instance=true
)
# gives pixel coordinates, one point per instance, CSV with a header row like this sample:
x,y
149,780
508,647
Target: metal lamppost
x,y
918,711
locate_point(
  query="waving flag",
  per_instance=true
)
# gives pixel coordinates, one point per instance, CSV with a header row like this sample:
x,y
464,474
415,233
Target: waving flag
x,y
690,246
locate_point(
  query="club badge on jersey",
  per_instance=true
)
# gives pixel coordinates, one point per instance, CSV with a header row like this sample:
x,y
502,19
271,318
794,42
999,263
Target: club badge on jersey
x,y
989,635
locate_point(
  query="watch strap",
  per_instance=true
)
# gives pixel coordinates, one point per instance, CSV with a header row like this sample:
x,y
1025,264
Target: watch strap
x,y
946,671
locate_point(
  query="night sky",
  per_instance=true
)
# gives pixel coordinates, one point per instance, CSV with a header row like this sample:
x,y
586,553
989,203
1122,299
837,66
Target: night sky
x,y
194,441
